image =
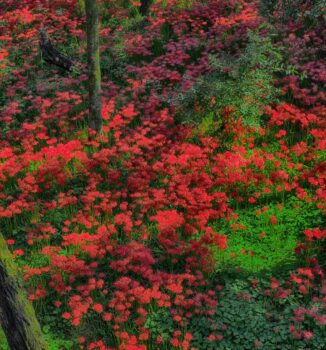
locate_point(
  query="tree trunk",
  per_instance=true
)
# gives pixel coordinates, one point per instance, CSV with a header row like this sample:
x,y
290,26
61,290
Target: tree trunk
x,y
94,69
17,315
144,7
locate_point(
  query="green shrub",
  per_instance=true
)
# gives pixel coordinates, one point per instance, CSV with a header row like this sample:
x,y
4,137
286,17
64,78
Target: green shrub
x,y
254,320
160,323
293,9
247,86
246,319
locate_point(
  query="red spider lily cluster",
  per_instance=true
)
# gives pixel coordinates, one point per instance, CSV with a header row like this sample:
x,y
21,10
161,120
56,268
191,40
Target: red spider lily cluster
x,y
136,204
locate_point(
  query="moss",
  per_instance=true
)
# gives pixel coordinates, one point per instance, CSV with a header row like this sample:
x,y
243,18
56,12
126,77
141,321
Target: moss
x,y
7,259
81,6
97,69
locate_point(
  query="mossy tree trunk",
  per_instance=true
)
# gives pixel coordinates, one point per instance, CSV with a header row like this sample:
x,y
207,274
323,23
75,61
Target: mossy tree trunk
x,y
94,69
17,315
81,5
144,7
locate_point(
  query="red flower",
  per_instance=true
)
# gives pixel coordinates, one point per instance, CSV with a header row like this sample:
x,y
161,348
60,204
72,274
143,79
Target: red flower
x,y
19,252
107,316
98,308
307,335
177,318
273,219
57,303
175,288
168,220
303,289
66,315
274,283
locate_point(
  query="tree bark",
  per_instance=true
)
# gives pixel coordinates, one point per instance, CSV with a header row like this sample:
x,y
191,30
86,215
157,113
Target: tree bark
x,y
17,316
144,7
94,69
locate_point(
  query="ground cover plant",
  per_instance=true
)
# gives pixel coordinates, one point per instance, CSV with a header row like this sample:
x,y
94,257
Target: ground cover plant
x,y
196,218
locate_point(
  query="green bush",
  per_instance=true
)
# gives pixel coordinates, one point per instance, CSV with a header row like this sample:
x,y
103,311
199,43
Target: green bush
x,y
292,9
254,320
247,86
246,319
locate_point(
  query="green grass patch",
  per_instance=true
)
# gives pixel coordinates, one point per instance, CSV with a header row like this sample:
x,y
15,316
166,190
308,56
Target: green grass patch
x,y
3,341
255,244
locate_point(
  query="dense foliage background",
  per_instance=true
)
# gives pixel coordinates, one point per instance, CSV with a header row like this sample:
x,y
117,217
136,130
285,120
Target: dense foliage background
x,y
196,219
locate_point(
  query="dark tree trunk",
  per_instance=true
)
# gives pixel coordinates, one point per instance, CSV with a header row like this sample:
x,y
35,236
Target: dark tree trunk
x,y
144,7
94,69
17,315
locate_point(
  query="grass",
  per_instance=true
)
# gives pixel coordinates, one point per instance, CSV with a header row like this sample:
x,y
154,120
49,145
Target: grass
x,y
260,245
3,341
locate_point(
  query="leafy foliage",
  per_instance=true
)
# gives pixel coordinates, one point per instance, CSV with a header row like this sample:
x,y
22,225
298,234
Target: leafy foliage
x,y
243,82
251,321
